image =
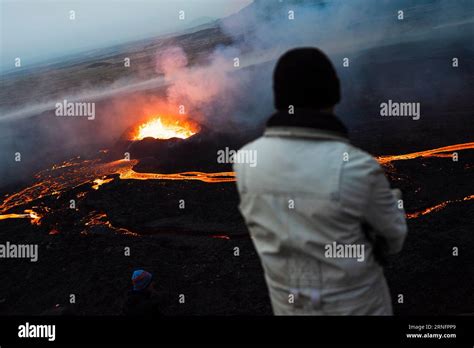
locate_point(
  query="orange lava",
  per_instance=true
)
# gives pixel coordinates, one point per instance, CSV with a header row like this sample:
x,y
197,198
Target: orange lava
x,y
100,182
438,152
163,128
101,219
126,172
35,218
437,207
69,175
76,172
54,181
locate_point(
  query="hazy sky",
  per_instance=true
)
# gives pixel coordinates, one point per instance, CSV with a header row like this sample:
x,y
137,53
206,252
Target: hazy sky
x,y
35,30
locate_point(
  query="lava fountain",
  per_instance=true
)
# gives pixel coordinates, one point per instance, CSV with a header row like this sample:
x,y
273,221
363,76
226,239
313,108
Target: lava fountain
x,y
162,128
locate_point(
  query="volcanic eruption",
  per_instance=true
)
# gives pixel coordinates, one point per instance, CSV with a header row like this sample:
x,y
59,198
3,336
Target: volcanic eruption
x,y
163,128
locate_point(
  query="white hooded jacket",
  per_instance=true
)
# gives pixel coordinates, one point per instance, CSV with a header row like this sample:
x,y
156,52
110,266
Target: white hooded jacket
x,y
305,203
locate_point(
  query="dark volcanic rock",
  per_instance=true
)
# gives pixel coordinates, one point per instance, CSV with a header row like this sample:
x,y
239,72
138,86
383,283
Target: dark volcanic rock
x,y
196,153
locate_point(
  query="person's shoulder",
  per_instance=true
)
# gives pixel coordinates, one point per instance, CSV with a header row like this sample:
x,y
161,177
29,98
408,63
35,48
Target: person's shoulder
x,y
252,145
360,161
356,153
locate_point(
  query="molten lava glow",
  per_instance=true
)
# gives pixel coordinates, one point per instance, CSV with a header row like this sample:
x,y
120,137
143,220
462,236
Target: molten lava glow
x,y
438,152
159,128
76,172
125,169
29,214
34,217
437,207
99,182
95,219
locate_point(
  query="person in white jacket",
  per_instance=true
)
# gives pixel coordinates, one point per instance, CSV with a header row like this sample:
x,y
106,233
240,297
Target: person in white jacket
x,y
320,211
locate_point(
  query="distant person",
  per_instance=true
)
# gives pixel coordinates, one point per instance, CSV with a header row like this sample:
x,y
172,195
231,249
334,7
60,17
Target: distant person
x,y
317,207
143,300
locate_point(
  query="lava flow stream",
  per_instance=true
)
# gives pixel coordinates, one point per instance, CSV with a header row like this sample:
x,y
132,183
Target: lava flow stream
x,y
437,207
71,174
34,217
438,152
129,173
441,152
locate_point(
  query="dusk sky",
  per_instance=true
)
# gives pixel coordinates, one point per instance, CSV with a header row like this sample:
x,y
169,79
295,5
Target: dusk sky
x,y
36,30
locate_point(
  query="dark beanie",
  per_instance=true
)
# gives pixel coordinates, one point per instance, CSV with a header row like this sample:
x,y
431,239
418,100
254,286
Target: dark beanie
x,y
305,78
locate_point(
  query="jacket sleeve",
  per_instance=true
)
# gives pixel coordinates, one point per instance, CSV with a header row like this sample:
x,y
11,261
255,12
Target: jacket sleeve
x,y
383,213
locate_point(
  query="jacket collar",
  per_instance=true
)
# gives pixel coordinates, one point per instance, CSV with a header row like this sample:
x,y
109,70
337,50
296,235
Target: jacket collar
x,y
306,123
